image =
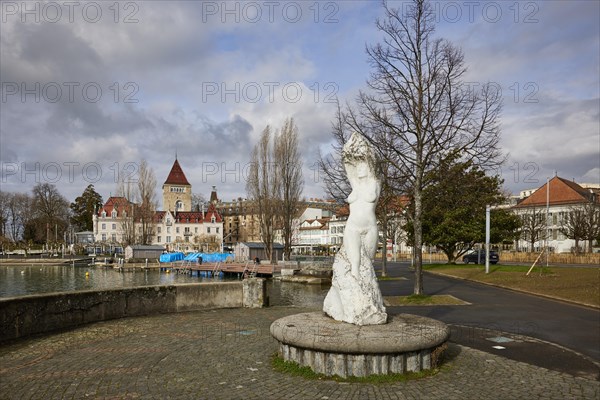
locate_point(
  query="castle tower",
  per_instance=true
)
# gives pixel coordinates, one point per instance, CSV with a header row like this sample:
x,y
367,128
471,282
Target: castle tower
x,y
214,199
177,191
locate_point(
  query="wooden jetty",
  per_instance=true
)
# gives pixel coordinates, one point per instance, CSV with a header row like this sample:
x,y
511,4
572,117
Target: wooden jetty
x,y
248,269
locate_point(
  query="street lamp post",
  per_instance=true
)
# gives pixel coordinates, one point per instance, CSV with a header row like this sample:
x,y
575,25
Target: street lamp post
x,y
487,239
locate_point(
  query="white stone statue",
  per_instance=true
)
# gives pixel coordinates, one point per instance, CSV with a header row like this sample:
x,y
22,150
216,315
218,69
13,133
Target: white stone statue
x,y
354,296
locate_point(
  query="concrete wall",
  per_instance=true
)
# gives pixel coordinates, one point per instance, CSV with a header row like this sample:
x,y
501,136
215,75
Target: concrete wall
x,y
29,315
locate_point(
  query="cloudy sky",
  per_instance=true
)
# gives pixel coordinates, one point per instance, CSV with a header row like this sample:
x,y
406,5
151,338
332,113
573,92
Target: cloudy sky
x,y
91,88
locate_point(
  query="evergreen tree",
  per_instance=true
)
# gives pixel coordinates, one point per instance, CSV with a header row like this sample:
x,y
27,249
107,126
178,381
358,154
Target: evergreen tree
x,y
83,209
454,209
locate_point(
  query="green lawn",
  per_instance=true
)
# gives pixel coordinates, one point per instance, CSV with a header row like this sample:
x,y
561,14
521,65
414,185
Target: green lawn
x,y
580,285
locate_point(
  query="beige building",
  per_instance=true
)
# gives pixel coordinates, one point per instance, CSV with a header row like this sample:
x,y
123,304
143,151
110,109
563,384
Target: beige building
x,y
177,191
240,220
550,204
177,228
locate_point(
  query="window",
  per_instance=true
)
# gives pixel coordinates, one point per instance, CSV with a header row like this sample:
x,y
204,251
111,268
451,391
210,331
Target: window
x,y
104,237
158,239
113,214
168,229
103,214
103,226
158,229
196,230
114,237
168,239
114,226
177,230
212,219
208,230
217,228
178,205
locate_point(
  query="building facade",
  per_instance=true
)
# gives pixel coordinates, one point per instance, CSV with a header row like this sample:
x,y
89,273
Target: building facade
x,y
177,191
548,206
177,227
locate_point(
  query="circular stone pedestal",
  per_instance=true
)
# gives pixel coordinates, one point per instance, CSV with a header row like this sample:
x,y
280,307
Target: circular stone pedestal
x,y
406,343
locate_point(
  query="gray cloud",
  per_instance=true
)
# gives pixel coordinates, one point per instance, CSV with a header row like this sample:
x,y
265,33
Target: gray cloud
x,y
173,49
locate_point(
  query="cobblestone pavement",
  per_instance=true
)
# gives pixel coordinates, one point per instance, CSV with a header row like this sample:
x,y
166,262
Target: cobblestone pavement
x,y
226,354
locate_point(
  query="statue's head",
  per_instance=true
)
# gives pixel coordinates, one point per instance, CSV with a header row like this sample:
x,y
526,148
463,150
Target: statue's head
x,y
358,153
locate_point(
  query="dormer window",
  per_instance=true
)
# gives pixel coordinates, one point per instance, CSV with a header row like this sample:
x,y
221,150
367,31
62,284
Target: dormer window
x,y
103,214
114,214
212,219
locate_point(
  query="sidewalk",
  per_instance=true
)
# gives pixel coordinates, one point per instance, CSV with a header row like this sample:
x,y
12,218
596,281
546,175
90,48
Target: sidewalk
x,y
225,354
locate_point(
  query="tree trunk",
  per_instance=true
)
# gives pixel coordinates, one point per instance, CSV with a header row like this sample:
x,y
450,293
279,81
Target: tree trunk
x,y
418,231
384,252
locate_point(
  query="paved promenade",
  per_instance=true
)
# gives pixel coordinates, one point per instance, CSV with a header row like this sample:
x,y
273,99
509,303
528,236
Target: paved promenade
x,y
226,354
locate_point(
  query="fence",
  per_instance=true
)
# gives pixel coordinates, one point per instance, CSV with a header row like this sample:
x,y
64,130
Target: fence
x,y
525,258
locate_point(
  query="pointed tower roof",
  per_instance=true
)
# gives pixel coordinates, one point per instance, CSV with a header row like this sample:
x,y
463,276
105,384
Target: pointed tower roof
x,y
561,191
176,176
214,199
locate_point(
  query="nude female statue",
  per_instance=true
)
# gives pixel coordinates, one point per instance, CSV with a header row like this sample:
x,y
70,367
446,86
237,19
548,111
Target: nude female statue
x,y
361,227
354,296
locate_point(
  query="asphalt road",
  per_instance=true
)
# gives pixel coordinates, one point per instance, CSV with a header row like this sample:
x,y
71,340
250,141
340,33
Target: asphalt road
x,y
494,310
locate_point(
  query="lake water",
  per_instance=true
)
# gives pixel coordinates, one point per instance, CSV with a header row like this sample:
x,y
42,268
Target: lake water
x,y
26,280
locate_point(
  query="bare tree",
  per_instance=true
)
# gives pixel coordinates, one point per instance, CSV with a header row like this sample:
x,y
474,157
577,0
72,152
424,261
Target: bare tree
x,y
126,189
20,214
146,199
198,202
573,226
533,226
4,212
582,223
50,214
263,187
416,110
289,165
330,166
592,223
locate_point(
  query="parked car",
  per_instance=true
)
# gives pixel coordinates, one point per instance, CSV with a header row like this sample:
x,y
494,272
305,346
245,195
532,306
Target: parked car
x,y
478,257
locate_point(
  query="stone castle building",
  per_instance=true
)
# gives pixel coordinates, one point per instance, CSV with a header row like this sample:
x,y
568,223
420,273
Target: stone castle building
x,y
177,227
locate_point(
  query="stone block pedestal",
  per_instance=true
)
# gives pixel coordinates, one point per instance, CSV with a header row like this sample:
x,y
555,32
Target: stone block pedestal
x,y
406,343
255,293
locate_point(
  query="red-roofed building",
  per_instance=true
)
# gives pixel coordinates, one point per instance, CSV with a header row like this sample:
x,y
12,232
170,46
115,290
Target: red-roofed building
x,y
557,197
110,218
178,228
177,191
